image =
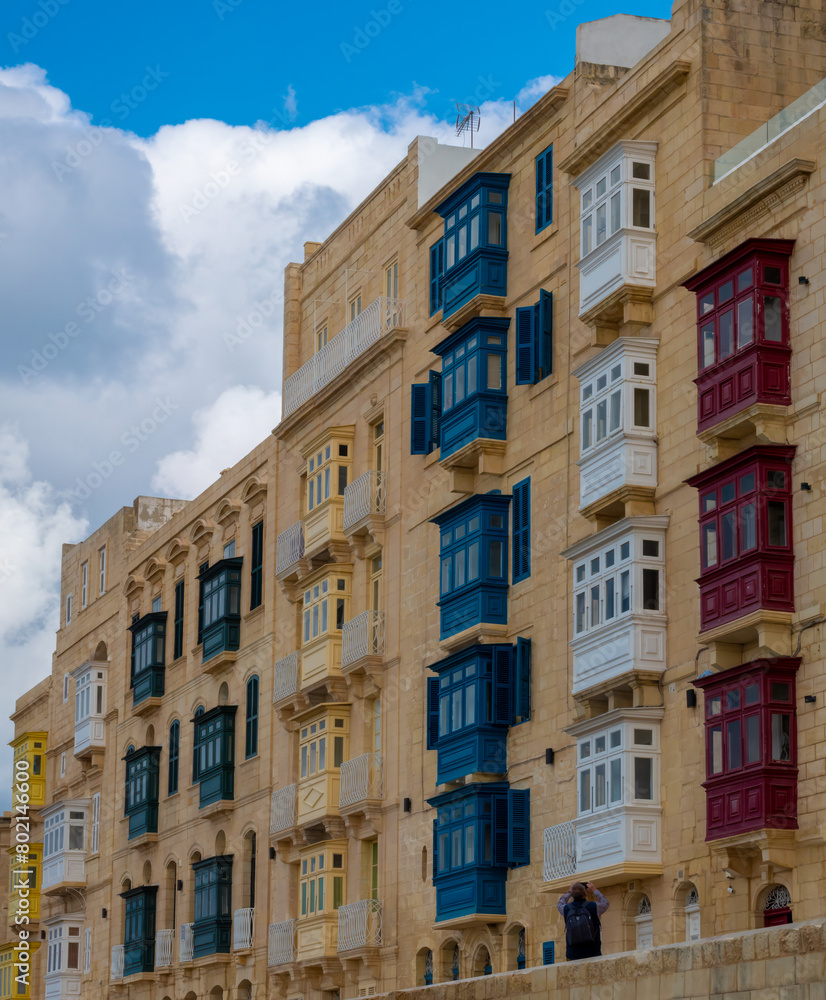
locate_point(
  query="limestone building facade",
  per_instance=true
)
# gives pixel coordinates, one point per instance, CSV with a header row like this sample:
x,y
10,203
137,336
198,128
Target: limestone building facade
x,y
526,585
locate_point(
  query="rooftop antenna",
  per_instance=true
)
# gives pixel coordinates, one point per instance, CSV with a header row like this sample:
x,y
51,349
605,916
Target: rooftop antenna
x,y
468,119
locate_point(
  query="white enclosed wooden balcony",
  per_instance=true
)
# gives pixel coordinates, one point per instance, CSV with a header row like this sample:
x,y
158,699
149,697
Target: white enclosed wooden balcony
x,y
164,940
334,359
360,925
186,947
116,965
282,809
365,503
243,929
281,943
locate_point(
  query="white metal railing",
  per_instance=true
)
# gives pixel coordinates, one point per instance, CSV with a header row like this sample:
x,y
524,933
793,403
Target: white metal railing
x,y
282,809
116,971
243,928
163,948
361,778
285,677
186,948
362,636
795,112
359,924
281,943
381,316
290,547
559,859
364,496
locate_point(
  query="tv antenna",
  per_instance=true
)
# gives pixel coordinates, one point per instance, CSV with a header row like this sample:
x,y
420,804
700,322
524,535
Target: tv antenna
x,y
468,119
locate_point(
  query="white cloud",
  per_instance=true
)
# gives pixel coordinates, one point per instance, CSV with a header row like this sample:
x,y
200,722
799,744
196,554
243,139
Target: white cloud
x,y
239,419
34,524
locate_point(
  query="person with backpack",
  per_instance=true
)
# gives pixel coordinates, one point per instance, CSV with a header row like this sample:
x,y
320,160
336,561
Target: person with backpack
x,y
582,926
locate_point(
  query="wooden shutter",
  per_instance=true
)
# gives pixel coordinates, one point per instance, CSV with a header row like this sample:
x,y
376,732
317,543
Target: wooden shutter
x,y
522,687
526,345
419,419
521,530
435,404
545,335
432,712
519,827
500,831
547,952
435,850
502,685
544,188
437,267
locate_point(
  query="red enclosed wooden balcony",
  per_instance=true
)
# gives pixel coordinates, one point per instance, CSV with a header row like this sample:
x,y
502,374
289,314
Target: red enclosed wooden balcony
x,y
746,554
751,747
743,330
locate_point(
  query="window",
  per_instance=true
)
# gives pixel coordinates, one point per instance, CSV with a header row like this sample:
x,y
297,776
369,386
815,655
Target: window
x,y
322,881
522,681
322,745
377,432
95,838
229,550
174,757
89,695
64,829
321,337
68,609
751,746
328,472
63,765
84,585
618,765
618,195
251,735
743,339
617,396
60,958
87,951
257,566
376,574
745,530
65,687
102,568
139,930
221,607
212,930
475,242
141,795
326,607
521,530
534,340
622,578
178,639
544,188
473,562
214,754
148,656
425,415
437,268
355,306
391,281
474,367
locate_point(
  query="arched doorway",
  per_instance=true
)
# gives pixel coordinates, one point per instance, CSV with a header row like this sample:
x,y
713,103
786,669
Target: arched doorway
x,y
481,962
778,907
645,924
692,914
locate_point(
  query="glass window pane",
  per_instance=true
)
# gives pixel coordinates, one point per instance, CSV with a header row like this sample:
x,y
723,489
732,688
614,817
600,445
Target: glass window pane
x,y
609,599
745,322
641,171
707,303
625,591
594,606
776,479
456,849
495,228
494,371
456,720
744,279
780,691
471,374
496,560
781,736
584,791
474,232
746,483
734,746
642,417
444,715
643,778
473,561
752,693
616,408
616,206
651,589
641,210
459,568
616,779
715,750
748,527
470,844
446,561
714,705
599,786
587,425
777,522
729,534
602,217
579,614
726,333
444,855
772,318
470,705
752,739
707,335
726,292
587,233
602,419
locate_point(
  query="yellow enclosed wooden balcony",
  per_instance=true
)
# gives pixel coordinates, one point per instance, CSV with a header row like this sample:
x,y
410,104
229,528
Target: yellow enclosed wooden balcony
x,y
321,892
9,971
30,768
324,735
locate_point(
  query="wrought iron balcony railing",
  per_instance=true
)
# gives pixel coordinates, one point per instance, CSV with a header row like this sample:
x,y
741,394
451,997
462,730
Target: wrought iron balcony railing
x,y
559,859
361,778
243,928
362,636
282,809
281,943
285,677
363,497
163,948
359,924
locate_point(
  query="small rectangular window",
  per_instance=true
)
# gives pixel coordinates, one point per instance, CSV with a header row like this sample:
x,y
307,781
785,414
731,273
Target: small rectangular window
x,y
642,417
651,589
642,171
650,547
772,318
781,736
752,739
584,791
643,778
641,208
777,522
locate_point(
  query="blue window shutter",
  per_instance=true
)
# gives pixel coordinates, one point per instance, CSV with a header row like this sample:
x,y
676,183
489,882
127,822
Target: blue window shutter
x,y
522,686
432,712
419,418
435,850
502,685
437,267
545,335
526,345
500,831
544,188
519,827
547,952
521,530
435,410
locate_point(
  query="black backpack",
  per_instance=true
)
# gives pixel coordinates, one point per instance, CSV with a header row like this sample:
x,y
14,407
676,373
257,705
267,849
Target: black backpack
x,y
579,925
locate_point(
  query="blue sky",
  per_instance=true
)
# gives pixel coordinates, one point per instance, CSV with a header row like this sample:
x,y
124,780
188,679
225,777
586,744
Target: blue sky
x,y
233,60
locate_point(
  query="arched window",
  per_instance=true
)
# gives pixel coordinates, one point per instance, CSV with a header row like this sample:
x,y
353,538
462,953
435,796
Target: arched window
x,y
454,969
645,924
520,949
778,907
252,718
692,915
174,756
